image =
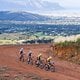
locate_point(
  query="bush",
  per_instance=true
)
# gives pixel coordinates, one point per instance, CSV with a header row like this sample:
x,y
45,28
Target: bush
x,y
66,43
78,41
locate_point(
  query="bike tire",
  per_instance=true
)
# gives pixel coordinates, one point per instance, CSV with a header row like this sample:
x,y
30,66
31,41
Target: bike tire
x,y
52,69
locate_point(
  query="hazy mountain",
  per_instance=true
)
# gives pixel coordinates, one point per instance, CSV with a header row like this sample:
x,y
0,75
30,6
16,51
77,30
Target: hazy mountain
x,y
29,5
21,16
42,5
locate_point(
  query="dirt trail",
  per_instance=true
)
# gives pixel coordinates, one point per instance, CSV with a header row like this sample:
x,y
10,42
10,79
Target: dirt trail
x,y
9,58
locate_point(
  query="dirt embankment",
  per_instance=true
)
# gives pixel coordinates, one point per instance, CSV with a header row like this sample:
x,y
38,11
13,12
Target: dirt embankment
x,y
12,69
70,53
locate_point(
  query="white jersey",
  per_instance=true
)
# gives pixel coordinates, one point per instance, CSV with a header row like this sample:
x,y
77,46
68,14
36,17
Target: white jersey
x,y
21,51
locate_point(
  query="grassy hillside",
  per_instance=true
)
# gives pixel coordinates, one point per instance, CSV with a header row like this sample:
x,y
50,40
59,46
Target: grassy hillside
x,y
68,51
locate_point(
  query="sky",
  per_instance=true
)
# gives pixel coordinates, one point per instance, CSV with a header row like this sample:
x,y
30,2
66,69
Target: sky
x,y
21,4
70,4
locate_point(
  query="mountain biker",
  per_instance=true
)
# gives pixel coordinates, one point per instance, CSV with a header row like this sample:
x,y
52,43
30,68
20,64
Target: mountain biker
x,y
29,55
49,60
21,54
39,58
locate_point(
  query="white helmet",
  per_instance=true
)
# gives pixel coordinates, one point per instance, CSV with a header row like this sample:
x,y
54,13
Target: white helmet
x,y
21,49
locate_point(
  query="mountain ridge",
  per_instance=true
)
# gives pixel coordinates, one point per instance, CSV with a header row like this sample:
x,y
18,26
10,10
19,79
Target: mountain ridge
x,y
21,16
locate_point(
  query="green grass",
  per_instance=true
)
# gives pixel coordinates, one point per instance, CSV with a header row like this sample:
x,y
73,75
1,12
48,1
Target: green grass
x,y
65,44
69,43
78,41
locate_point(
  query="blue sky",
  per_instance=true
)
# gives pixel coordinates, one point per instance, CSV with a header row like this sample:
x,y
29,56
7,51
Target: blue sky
x,y
21,4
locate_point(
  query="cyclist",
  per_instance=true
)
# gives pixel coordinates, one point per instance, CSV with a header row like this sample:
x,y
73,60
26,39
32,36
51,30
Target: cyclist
x,y
39,58
29,56
21,54
49,60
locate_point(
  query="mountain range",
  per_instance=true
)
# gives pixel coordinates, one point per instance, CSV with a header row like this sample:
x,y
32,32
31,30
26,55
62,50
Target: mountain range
x,y
29,5
42,5
21,16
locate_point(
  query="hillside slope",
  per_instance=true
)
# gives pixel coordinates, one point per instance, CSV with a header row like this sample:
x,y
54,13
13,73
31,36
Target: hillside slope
x,y
69,51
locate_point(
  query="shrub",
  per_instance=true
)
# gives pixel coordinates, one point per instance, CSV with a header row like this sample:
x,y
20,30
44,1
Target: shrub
x,y
66,43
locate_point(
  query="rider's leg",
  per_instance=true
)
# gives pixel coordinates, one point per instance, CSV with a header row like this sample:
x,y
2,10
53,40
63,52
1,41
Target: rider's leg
x,y
29,59
23,58
49,64
20,57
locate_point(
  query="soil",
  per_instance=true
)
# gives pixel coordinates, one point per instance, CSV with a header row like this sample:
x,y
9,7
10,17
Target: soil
x,y
13,69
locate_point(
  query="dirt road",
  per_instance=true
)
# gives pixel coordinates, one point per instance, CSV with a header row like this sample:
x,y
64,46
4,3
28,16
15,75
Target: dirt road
x,y
11,68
